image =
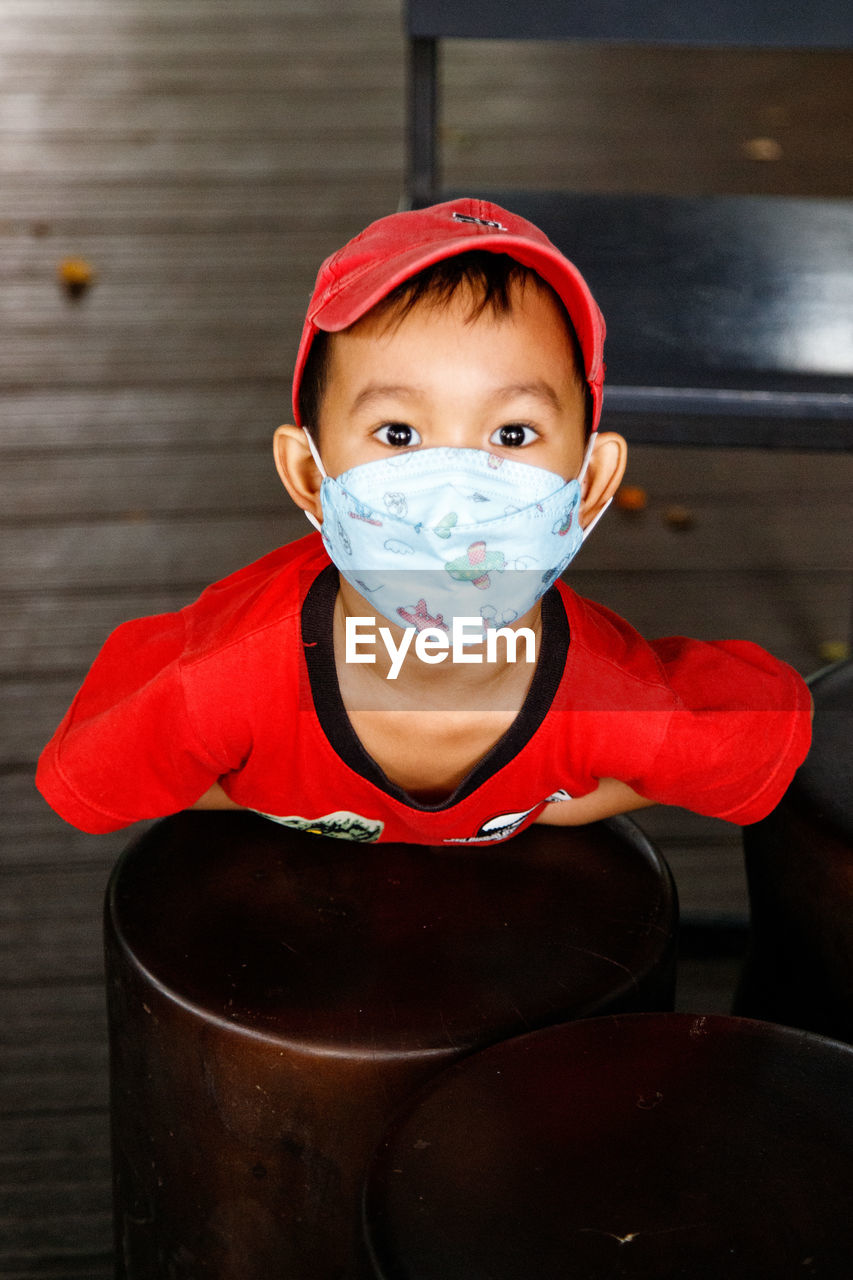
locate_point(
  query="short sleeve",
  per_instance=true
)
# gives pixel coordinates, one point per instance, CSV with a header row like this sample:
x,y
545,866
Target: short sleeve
x,y
739,729
126,749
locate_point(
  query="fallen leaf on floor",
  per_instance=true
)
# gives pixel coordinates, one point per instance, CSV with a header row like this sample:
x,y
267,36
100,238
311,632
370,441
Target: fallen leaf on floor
x,y
631,497
833,650
76,275
678,517
762,149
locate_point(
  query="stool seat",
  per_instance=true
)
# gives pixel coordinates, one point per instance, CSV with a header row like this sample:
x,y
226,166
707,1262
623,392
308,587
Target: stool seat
x,y
275,995
653,1146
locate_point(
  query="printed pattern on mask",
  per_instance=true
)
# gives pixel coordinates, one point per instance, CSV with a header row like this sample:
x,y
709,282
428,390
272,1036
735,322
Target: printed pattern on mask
x,y
435,534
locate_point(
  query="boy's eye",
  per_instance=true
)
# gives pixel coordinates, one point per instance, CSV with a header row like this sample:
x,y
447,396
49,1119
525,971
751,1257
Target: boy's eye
x,y
513,435
397,434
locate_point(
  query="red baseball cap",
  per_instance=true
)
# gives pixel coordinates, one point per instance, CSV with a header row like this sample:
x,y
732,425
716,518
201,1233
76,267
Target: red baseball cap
x,y
396,248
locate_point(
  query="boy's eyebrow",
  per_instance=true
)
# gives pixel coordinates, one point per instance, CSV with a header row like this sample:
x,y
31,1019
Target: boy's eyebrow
x,y
379,391
538,388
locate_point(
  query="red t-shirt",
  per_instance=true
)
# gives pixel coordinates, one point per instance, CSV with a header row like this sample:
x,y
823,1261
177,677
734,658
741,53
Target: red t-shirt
x,y
240,687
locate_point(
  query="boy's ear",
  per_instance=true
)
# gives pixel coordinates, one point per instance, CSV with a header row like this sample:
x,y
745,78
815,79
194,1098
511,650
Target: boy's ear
x,y
297,469
604,473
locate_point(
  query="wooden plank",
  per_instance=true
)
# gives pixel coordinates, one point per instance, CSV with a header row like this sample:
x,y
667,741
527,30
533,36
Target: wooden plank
x,y
310,13
711,882
217,21
193,31
80,1267
53,843
53,1049
114,419
793,614
707,984
116,356
196,110
262,259
51,924
61,1225
50,206
52,1015
77,1076
76,1136
55,1198
762,477
342,150
155,554
306,64
107,349
139,484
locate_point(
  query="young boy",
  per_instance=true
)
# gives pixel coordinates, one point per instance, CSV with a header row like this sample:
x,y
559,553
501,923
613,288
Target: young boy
x,y
418,671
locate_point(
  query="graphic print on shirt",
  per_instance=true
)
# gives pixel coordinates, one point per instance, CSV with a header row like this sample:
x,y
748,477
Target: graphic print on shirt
x,y
504,825
501,827
340,825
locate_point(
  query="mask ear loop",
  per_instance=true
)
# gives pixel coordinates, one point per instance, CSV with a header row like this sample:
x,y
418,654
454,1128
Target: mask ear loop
x,y
586,457
316,456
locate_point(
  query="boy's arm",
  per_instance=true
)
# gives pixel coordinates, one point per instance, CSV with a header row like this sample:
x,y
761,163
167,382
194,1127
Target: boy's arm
x,y
609,798
127,748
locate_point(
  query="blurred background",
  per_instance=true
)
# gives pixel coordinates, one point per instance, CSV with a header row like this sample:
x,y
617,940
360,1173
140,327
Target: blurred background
x,y
171,174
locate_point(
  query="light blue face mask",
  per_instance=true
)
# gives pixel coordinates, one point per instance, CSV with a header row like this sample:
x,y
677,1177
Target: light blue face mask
x,y
430,535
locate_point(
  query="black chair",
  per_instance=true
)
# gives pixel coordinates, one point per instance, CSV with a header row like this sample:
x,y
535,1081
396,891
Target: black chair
x,y
729,318
799,864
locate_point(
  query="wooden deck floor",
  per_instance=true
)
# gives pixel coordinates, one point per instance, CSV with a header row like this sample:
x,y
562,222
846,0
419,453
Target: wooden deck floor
x,y
203,157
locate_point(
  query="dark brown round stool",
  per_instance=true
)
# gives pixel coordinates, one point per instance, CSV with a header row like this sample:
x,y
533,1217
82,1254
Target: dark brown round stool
x,y
274,996
649,1147
799,864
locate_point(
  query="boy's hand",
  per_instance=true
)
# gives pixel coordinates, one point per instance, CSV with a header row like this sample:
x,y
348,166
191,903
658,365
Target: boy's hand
x,y
609,798
215,798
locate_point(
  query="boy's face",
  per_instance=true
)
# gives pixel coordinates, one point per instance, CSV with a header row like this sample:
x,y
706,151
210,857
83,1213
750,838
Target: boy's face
x,y
502,383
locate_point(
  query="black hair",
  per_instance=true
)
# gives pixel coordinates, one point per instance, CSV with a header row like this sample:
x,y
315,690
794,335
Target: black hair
x,y
490,277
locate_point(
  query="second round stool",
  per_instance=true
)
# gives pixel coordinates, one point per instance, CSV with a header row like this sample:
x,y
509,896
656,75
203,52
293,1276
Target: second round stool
x,y
646,1147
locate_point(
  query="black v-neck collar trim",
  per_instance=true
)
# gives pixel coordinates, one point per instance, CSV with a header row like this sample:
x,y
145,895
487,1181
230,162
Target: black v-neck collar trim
x,y
318,642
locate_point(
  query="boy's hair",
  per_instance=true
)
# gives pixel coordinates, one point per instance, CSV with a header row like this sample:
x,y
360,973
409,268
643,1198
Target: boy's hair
x,y
490,278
